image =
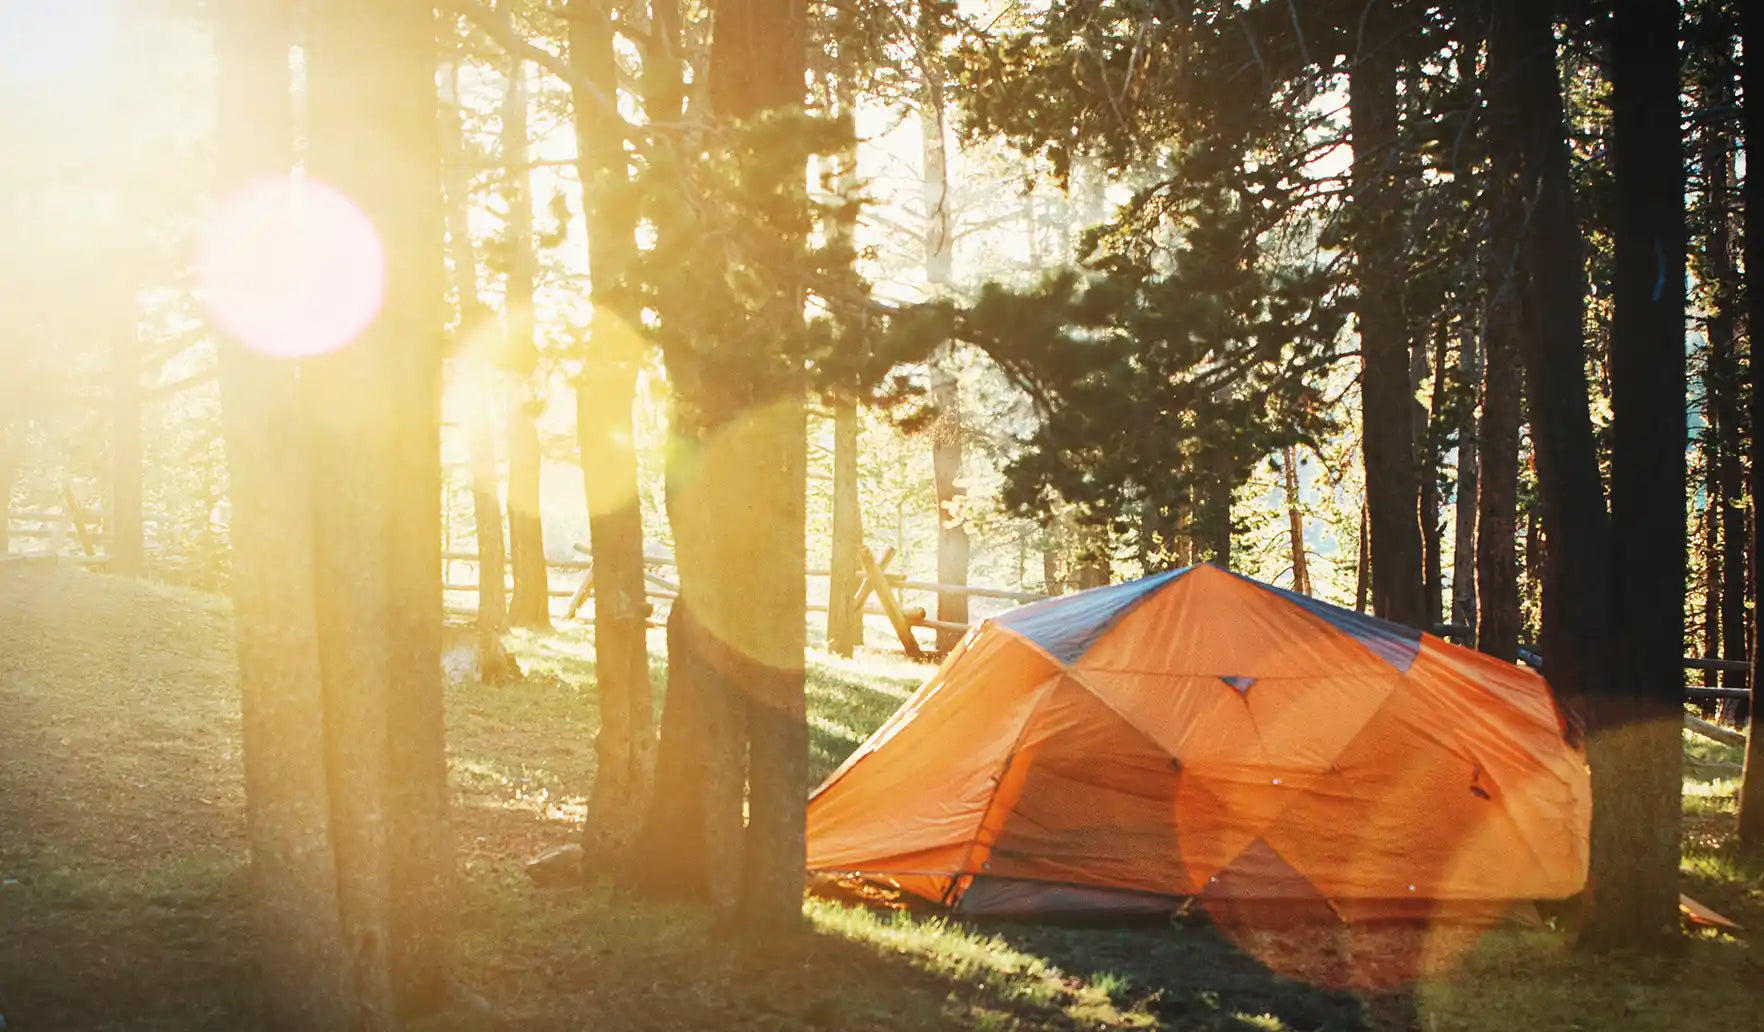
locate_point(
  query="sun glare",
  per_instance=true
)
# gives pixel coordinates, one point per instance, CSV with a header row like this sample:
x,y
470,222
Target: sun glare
x,y
291,268
42,39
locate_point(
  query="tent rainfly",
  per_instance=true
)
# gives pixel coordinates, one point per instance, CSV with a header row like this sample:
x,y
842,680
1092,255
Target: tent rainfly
x,y
1198,737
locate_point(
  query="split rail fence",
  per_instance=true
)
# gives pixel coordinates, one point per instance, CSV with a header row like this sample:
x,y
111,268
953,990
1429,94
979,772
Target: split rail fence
x,y
890,601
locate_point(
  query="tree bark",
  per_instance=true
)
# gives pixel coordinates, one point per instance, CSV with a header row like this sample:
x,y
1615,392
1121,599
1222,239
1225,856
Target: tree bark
x,y
373,419
1710,521
736,490
1468,495
1091,566
308,980
1724,373
1432,527
1628,683
1636,749
492,659
1301,575
606,395
1363,567
845,622
127,541
530,605
1503,329
1750,826
953,546
1052,548
1393,475
1576,584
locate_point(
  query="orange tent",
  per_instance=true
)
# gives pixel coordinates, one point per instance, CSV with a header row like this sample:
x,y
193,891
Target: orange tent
x,y
1200,736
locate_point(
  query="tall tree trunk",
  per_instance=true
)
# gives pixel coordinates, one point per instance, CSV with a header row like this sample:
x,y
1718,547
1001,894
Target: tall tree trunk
x,y
373,411
493,661
1636,748
953,546
1211,521
736,489
1393,474
1724,373
1710,519
605,397
1526,114
1503,326
1751,801
308,979
1468,495
1363,567
1432,527
530,605
1052,548
1629,683
1301,574
127,546
845,622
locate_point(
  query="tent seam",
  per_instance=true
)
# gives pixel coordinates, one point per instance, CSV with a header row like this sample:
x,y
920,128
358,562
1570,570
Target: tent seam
x,y
998,779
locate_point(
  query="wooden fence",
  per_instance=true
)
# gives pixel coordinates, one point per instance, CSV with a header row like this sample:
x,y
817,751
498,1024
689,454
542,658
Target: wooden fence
x,y
890,602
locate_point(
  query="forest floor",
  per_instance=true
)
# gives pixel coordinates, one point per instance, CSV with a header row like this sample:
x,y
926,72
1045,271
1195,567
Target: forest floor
x,y
123,885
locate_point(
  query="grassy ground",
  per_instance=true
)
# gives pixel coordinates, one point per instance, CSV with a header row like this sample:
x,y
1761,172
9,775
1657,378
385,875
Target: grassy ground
x,y
122,887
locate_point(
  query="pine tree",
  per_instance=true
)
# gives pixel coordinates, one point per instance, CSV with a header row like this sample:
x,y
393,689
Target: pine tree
x,y
1635,748
1751,801
605,395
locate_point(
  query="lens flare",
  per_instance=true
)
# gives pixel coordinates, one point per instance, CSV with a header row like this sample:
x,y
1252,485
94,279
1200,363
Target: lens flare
x,y
291,268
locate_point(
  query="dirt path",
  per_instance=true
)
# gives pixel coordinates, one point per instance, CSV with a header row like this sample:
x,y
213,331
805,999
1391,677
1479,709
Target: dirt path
x,y
121,809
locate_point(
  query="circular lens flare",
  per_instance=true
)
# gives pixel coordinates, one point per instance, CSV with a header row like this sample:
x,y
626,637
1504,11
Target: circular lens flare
x,y
291,268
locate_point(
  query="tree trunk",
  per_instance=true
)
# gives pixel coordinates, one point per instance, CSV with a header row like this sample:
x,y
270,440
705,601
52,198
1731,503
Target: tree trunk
x,y
1629,684
1363,567
308,980
373,414
1526,112
1432,527
1091,566
1724,374
1751,801
1052,548
605,398
845,622
736,487
1503,328
493,662
530,605
953,546
1710,520
1468,496
1393,481
1636,748
127,547
761,599
1301,575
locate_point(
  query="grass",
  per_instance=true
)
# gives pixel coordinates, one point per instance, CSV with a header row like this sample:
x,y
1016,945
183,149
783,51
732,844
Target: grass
x,y
123,897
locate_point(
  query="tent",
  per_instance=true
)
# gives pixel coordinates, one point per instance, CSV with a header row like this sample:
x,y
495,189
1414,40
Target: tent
x,y
1198,737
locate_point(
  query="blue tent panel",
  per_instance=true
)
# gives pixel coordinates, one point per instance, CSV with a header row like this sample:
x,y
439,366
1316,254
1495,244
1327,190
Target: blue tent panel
x,y
1066,627
1391,642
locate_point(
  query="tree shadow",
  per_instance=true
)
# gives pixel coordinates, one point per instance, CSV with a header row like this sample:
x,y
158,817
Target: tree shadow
x,y
1193,976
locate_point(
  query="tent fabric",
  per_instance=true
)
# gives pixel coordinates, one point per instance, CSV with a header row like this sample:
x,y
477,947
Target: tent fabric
x,y
1198,735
